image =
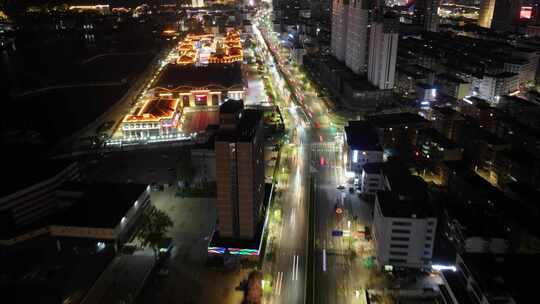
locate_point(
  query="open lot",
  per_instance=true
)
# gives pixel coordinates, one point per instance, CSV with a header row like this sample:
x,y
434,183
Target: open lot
x,y
196,121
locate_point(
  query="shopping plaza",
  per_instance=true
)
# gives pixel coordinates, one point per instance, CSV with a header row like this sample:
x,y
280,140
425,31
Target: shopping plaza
x,y
204,71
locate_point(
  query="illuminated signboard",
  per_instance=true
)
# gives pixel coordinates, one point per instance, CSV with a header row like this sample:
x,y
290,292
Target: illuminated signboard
x,y
525,12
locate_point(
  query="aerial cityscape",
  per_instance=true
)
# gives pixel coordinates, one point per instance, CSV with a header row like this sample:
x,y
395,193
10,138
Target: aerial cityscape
x,y
270,151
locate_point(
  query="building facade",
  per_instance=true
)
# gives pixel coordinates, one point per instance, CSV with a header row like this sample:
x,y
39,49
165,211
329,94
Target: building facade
x,y
356,45
240,174
403,236
486,13
383,43
340,15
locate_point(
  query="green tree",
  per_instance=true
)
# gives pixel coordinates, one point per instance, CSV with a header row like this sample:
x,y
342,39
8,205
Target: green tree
x,y
154,226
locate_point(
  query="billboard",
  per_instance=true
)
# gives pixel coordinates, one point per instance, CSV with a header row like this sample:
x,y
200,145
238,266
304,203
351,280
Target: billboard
x,y
525,12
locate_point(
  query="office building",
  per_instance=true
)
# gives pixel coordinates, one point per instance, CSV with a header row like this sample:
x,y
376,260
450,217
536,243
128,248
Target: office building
x,y
338,45
486,13
404,230
239,171
356,38
383,42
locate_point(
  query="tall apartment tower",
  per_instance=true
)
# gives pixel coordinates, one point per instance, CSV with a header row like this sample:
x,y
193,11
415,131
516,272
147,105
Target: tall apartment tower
x,y
356,36
338,43
383,42
426,14
239,171
486,13
505,14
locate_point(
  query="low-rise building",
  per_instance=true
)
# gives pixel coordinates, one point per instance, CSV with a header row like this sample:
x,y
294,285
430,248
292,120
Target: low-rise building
x,y
361,146
404,230
493,86
453,86
157,117
490,279
31,191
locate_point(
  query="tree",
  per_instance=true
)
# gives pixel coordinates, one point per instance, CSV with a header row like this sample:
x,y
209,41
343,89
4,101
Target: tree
x,y
154,226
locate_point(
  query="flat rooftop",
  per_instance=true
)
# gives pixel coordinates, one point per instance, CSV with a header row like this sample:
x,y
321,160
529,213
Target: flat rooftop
x,y
504,274
23,172
245,130
225,76
437,137
396,119
393,205
103,205
361,135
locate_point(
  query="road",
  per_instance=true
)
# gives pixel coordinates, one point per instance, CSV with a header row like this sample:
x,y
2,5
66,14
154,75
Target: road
x,y
338,274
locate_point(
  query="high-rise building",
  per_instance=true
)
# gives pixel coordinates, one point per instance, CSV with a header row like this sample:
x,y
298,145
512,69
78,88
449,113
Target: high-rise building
x,y
486,13
426,14
505,14
356,36
383,42
340,14
239,171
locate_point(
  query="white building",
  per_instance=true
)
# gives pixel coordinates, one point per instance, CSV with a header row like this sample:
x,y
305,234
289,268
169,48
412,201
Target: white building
x,y
372,179
361,146
383,42
338,41
403,230
356,45
492,87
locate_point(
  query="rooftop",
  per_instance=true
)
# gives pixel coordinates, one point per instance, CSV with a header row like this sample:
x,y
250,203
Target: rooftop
x,y
246,129
22,172
231,106
394,205
450,78
96,210
224,76
360,135
437,137
504,275
396,119
154,109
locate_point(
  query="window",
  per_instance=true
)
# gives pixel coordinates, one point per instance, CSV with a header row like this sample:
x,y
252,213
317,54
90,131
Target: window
x,y
427,246
399,246
401,231
398,253
430,223
429,230
402,223
426,253
397,261
429,238
399,238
